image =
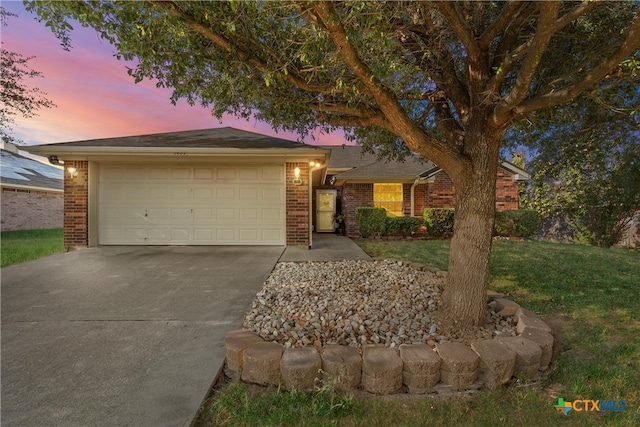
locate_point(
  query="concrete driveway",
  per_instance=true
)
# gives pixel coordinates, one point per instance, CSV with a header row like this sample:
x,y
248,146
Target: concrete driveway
x,y
114,336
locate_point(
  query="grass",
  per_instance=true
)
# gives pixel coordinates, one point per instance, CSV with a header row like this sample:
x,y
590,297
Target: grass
x,y
25,245
590,295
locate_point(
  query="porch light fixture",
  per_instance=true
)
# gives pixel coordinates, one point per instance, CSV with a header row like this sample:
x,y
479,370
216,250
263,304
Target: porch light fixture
x,y
72,171
296,177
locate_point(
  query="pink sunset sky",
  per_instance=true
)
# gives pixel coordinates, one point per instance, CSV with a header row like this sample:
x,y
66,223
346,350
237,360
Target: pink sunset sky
x,y
94,95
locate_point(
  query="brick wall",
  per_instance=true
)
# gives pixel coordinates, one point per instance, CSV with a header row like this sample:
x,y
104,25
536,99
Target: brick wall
x,y
297,206
31,210
76,205
420,199
442,194
355,196
506,192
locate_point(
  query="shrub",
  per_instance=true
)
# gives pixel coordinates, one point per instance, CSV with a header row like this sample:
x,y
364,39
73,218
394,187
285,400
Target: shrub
x,y
439,221
371,221
405,225
520,223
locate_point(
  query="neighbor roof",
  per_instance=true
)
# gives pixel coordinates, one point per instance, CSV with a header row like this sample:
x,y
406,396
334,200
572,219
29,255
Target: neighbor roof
x,y
18,171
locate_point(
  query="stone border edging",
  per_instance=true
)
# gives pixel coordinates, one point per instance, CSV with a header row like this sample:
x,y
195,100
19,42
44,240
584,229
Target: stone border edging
x,y
446,367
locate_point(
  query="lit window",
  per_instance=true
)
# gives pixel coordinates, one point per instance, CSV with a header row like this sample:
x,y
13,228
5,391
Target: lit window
x,y
388,196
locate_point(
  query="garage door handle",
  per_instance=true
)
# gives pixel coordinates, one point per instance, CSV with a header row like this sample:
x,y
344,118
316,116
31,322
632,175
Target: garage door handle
x,y
146,214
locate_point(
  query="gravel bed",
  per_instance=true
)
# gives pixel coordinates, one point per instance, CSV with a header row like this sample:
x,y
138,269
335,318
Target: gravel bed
x,y
356,303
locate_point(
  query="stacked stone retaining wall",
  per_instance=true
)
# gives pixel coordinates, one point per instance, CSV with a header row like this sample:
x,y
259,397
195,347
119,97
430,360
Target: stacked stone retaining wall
x,y
411,368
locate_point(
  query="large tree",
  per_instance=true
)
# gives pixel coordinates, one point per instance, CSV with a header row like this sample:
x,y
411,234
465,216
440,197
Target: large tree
x,y
443,79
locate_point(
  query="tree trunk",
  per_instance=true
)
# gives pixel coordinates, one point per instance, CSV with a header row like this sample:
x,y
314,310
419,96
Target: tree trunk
x,y
465,294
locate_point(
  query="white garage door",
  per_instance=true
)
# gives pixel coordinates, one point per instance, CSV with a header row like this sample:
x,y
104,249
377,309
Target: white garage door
x,y
191,205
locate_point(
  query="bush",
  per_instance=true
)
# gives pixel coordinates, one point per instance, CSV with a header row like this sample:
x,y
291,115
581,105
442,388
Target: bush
x,y
439,221
520,223
371,221
405,225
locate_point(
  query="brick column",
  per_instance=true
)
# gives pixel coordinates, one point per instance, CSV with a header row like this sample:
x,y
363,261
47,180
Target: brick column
x,y
297,205
76,205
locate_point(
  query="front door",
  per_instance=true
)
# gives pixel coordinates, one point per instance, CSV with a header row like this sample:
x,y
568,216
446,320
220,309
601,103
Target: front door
x,y
325,210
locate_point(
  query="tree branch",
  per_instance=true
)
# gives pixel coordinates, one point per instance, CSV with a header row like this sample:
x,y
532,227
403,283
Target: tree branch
x,y
222,42
555,97
508,13
459,27
539,43
397,121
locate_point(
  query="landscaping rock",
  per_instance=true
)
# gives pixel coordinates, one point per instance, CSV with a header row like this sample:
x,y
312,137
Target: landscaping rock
x,y
505,307
459,364
528,355
496,363
381,370
262,363
528,319
342,366
235,343
300,368
544,340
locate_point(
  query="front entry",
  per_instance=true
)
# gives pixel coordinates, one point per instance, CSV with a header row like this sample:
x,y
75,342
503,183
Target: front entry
x,y
325,210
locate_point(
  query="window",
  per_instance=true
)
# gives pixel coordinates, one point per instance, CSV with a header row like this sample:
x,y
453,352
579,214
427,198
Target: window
x,y
388,196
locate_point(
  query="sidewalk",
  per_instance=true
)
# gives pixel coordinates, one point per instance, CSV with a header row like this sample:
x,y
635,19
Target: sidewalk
x,y
325,247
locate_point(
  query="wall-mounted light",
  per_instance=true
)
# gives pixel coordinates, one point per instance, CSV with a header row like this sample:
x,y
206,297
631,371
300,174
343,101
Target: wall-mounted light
x,y
72,171
296,177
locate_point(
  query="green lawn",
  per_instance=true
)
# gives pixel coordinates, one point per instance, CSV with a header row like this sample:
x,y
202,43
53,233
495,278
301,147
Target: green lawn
x,y
25,245
590,294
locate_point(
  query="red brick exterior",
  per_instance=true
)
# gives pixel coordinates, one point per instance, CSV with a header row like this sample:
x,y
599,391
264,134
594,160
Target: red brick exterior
x,y
297,206
31,209
355,196
442,194
76,205
506,192
438,194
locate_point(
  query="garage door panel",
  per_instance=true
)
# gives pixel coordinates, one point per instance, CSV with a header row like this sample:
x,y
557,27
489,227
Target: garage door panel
x,y
180,174
249,174
203,173
226,174
158,173
204,204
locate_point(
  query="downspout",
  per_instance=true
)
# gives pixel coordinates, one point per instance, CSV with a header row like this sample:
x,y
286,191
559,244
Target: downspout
x,y
311,171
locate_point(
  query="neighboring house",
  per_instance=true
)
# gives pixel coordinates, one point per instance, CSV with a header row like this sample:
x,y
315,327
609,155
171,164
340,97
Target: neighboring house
x,y
204,187
32,195
356,179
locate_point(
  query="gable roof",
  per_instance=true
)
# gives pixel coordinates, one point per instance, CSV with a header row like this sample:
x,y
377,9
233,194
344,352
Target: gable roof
x,y
17,171
224,141
349,162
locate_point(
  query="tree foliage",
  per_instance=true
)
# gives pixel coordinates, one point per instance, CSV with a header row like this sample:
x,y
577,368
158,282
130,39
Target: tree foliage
x,y
588,166
17,97
442,79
